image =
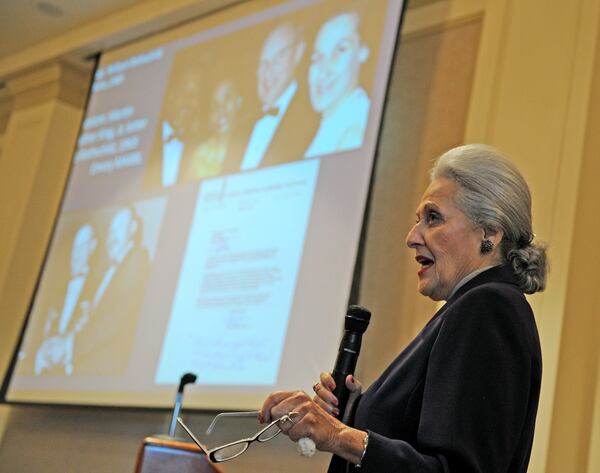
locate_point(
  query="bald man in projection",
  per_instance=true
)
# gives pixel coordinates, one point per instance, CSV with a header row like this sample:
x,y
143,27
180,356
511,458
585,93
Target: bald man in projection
x,y
275,136
333,79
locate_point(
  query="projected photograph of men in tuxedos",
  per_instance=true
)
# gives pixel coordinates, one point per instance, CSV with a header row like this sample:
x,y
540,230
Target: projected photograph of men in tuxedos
x,y
109,318
282,130
91,292
64,320
303,93
333,79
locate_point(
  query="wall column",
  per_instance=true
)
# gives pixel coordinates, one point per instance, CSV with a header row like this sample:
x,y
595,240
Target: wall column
x,y
575,427
532,88
40,137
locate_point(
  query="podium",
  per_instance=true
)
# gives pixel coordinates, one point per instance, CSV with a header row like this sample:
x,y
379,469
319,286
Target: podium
x,y
158,455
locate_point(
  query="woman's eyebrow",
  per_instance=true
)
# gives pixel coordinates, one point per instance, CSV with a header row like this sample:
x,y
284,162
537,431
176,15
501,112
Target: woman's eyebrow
x,y
430,206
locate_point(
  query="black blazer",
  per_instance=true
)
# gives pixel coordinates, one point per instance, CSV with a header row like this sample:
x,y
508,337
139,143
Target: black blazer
x,y
463,396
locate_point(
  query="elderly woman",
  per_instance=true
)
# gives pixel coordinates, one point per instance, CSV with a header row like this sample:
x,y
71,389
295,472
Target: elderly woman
x,y
463,396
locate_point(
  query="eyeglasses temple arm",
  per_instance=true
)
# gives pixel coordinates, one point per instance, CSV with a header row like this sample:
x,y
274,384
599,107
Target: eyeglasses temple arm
x,y
230,414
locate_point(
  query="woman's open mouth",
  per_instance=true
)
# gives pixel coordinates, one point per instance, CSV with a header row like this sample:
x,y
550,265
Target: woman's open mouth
x,y
425,263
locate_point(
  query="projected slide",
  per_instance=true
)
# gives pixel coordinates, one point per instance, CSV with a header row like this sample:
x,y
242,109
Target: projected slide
x,y
211,219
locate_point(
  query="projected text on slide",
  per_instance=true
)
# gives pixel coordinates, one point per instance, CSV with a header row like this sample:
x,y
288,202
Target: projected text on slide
x,y
235,290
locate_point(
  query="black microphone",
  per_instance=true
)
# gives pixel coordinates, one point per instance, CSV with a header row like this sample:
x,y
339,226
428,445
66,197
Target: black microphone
x,y
185,379
356,322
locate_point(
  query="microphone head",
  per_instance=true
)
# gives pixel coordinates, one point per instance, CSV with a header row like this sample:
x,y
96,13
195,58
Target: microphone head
x,y
357,319
186,379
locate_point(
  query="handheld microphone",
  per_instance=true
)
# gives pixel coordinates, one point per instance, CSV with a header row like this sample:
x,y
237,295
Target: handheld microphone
x,y
356,323
187,378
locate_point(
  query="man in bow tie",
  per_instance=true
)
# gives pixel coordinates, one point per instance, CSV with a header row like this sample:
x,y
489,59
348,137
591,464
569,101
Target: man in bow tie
x,y
279,134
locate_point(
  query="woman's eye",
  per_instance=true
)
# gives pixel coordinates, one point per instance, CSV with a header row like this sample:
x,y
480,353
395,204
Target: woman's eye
x,y
432,217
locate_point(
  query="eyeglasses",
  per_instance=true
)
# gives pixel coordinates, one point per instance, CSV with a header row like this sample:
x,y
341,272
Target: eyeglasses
x,y
235,449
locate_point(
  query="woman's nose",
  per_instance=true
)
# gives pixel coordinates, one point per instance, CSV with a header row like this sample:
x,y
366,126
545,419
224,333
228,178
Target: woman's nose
x,y
414,238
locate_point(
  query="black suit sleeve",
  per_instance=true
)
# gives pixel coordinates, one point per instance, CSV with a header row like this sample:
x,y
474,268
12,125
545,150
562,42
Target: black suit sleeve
x,y
476,392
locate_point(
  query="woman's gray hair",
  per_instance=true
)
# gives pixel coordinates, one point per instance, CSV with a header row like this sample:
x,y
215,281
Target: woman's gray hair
x,y
494,196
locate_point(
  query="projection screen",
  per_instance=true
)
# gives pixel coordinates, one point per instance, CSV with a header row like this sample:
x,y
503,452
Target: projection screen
x,y
212,216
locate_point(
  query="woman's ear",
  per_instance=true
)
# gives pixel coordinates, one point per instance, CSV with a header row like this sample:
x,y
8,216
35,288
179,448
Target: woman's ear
x,y
495,236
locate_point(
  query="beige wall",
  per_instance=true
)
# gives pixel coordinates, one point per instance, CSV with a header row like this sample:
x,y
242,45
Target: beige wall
x,y
520,74
574,442
532,96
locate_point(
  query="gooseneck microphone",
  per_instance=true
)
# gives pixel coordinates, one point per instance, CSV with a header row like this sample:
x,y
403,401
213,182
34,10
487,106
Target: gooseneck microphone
x,y
356,323
185,379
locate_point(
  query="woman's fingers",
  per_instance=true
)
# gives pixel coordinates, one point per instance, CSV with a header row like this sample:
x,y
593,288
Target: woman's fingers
x,y
327,380
316,424
300,416
353,384
288,421
280,403
283,402
323,390
332,409
273,400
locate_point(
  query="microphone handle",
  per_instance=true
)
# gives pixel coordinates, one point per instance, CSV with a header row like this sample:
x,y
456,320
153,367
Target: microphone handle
x,y
345,364
341,391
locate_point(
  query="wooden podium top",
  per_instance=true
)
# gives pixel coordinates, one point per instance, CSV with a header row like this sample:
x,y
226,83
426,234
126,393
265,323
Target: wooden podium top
x,y
161,455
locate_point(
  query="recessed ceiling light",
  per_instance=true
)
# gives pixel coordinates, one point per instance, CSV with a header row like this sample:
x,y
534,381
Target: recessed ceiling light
x,y
50,9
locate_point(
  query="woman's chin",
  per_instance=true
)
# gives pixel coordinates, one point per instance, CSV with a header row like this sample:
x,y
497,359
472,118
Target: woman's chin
x,y
431,291
424,290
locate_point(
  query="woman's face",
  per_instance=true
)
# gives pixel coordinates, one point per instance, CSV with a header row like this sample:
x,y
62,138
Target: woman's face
x,y
446,243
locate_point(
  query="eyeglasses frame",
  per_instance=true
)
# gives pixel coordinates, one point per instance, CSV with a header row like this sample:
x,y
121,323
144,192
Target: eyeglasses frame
x,y
255,438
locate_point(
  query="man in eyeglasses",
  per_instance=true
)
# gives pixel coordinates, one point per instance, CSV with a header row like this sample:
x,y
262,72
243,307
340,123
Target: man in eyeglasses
x,y
275,136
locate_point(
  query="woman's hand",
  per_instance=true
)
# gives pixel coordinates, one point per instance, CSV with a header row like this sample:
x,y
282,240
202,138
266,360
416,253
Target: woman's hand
x,y
314,422
324,392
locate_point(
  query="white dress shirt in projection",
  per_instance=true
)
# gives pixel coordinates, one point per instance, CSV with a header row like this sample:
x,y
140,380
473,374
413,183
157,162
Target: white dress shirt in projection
x,y
344,128
172,152
74,289
264,130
